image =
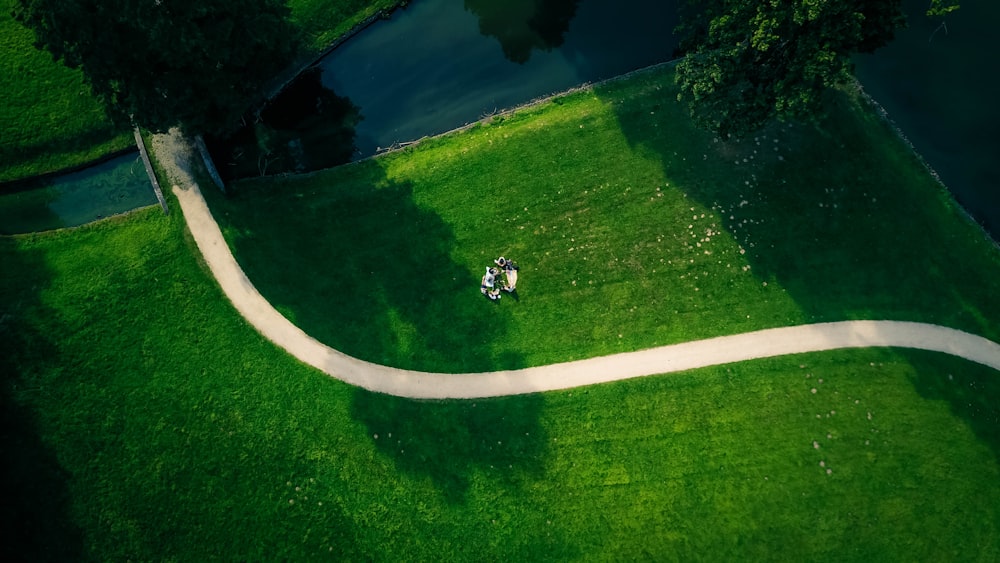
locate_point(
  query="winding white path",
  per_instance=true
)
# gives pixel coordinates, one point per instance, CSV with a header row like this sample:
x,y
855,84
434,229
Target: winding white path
x,y
679,357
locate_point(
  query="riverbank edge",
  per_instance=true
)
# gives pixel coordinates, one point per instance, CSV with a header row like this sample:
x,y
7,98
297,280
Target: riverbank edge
x,y
11,186
880,111
504,112
312,57
883,114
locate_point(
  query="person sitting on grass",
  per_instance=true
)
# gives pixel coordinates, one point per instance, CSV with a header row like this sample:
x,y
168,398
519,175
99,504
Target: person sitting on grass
x,y
486,286
510,270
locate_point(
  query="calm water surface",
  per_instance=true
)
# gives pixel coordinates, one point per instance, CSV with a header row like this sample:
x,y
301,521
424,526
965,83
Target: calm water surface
x,y
941,87
440,64
115,186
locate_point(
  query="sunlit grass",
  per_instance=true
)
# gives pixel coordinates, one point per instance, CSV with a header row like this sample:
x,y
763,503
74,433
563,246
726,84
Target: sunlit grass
x,y
50,121
152,423
632,229
148,421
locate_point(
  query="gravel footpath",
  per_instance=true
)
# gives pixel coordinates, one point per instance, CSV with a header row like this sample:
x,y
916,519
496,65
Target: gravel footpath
x,y
175,155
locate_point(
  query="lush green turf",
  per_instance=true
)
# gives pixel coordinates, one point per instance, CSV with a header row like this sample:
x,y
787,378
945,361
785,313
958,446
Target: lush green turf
x,y
48,118
144,420
632,230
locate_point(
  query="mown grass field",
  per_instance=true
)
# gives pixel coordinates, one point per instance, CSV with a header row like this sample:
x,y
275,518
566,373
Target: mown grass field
x,y
632,229
143,419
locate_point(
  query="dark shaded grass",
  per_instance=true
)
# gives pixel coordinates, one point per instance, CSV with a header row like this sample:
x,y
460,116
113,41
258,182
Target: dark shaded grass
x,y
323,21
49,120
379,268
35,513
176,432
844,217
632,228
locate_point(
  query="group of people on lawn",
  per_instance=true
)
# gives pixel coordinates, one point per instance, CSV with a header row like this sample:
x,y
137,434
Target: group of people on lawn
x,y
488,285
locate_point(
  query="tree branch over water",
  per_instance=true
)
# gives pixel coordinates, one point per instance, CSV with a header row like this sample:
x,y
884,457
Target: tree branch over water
x,y
749,61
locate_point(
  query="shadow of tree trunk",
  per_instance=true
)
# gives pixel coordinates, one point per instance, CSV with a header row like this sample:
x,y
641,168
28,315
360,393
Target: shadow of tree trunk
x,y
35,512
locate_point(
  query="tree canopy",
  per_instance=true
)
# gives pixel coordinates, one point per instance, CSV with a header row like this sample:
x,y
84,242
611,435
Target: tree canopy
x,y
748,61
941,8
199,63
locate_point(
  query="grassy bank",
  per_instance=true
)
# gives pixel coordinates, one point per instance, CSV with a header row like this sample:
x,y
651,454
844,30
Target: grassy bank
x,y
49,120
144,420
323,21
632,229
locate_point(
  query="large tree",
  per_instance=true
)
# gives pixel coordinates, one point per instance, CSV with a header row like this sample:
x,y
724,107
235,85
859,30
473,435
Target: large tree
x,y
748,61
197,63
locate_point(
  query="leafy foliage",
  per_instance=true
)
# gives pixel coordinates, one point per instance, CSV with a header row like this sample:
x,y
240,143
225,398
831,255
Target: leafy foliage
x,y
48,119
749,60
168,62
942,7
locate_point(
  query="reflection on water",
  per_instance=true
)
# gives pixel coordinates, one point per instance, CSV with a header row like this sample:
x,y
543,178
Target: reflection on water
x,y
307,127
115,186
524,25
440,64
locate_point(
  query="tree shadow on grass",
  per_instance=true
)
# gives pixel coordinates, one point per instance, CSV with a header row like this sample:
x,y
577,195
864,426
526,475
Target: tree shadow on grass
x,y
366,270
33,485
826,212
456,442
972,390
369,272
819,209
47,149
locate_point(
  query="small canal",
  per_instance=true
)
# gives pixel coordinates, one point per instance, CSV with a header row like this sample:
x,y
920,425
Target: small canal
x,y
68,200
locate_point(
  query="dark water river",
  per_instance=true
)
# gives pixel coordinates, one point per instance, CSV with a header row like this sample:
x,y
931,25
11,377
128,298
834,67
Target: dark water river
x,y
440,64
443,63
941,87
111,187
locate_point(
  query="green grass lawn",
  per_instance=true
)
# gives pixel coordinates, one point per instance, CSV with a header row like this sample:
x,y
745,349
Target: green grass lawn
x,y
632,229
324,21
49,120
145,420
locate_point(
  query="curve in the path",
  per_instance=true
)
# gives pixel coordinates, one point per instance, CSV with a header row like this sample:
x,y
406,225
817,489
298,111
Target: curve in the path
x,y
678,357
